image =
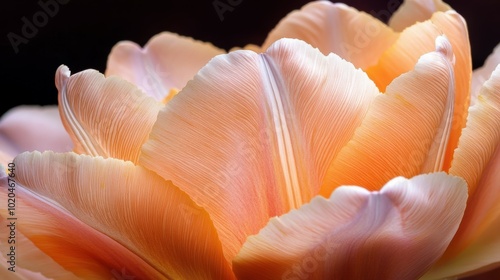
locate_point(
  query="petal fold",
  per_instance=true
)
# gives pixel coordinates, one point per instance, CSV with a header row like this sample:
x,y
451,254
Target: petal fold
x,y
413,11
106,117
252,135
335,27
131,207
476,244
483,73
166,62
417,40
396,233
396,136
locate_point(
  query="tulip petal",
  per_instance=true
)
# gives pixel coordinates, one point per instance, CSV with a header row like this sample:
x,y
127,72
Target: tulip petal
x,y
108,117
413,11
417,40
477,243
252,135
481,136
29,128
397,134
74,245
355,36
29,261
131,205
483,73
395,233
167,61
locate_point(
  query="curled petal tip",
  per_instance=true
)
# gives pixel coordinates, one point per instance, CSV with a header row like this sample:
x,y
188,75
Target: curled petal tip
x,y
62,76
444,47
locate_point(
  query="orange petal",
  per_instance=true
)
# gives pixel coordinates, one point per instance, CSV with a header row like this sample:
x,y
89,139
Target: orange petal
x,y
167,61
29,128
355,36
477,160
413,11
397,233
483,73
108,117
419,39
396,137
29,261
251,136
74,245
481,136
150,217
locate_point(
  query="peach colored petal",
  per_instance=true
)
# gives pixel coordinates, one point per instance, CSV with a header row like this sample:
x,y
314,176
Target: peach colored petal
x,y
167,61
397,233
397,135
74,245
477,160
483,73
413,11
417,40
481,136
29,261
252,135
109,117
29,128
355,36
148,216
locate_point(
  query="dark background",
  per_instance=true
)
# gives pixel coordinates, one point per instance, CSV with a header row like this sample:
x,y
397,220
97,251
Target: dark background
x,y
81,34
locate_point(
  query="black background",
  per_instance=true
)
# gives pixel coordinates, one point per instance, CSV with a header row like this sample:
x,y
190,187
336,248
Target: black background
x,y
81,34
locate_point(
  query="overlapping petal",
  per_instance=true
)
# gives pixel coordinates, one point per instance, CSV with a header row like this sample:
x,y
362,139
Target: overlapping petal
x,y
417,40
477,160
396,136
396,233
29,128
335,27
114,215
483,73
166,62
412,11
251,136
106,117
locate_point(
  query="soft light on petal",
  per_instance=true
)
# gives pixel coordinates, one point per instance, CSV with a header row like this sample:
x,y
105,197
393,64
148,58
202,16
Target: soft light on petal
x,y
413,11
396,136
150,217
477,160
30,261
251,136
418,40
483,73
108,117
166,62
30,128
74,245
335,27
396,233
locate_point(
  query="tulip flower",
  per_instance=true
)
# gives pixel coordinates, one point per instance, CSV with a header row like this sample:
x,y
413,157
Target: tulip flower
x,y
356,150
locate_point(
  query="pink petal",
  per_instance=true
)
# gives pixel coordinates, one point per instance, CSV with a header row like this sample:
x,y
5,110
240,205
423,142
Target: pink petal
x,y
166,62
395,233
